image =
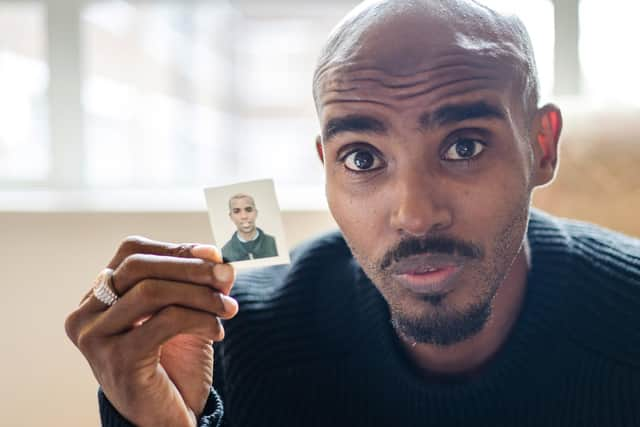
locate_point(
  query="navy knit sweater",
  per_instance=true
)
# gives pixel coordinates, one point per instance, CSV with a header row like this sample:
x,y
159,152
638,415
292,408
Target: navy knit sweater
x,y
312,345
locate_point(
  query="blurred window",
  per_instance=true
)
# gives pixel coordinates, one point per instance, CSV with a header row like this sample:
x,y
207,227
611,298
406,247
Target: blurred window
x,y
24,147
609,50
157,94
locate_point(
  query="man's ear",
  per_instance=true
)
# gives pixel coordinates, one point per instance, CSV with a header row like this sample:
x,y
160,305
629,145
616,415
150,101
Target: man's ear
x,y
319,148
546,130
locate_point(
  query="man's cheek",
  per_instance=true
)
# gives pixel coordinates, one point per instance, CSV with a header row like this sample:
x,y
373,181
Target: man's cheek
x,y
498,193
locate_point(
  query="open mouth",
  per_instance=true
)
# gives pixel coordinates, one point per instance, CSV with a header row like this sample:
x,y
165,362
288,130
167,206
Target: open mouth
x,y
428,274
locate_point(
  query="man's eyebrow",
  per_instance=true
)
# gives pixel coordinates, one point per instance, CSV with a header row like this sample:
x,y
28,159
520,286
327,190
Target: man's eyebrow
x,y
450,114
353,123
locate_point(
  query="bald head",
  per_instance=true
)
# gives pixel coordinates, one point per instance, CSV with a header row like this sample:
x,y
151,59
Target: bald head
x,y
405,37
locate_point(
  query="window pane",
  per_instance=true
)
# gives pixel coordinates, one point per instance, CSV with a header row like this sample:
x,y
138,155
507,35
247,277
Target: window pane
x,y
608,50
282,148
201,92
273,56
156,93
24,146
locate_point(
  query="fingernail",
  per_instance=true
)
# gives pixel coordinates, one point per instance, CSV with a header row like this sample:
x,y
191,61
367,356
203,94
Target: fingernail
x,y
230,304
207,252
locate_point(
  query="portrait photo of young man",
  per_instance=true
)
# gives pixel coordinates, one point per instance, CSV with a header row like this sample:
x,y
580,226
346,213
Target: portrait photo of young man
x,y
248,241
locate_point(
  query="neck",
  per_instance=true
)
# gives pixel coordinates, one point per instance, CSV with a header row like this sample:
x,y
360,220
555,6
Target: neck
x,y
248,236
468,357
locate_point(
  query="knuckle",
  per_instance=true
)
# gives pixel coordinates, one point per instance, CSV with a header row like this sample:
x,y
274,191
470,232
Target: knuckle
x,y
71,326
130,268
130,244
133,261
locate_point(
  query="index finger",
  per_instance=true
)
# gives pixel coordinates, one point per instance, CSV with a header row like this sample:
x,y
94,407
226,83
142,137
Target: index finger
x,y
141,245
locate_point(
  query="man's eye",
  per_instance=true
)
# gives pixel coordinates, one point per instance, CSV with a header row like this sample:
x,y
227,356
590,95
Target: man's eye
x,y
464,149
361,160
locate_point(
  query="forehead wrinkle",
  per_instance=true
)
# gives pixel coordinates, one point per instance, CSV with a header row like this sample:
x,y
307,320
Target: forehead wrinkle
x,y
461,86
429,90
416,79
470,94
452,69
359,69
357,101
381,94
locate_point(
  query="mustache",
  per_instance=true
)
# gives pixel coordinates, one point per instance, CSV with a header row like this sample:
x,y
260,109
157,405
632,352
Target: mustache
x,y
441,245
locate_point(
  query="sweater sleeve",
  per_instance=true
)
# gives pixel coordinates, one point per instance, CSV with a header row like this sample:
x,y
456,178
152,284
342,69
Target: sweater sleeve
x,y
211,416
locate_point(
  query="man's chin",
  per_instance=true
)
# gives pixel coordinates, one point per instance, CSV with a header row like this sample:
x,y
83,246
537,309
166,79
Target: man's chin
x,y
442,327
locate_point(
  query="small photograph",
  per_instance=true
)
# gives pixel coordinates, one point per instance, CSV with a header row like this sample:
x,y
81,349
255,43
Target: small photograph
x,y
247,225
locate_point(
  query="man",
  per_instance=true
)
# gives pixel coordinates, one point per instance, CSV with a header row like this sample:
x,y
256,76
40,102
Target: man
x,y
248,241
442,301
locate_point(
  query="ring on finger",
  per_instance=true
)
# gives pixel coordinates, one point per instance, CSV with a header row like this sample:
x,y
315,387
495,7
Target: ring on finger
x,y
103,288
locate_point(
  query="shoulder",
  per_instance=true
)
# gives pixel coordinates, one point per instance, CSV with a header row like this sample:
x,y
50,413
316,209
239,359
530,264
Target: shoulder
x,y
600,271
229,242
598,255
268,237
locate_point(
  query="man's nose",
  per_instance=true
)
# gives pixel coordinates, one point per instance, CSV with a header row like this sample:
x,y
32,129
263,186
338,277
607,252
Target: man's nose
x,y
419,204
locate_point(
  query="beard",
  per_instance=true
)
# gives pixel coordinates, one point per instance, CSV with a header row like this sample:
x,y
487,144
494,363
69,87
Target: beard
x,y
444,326
434,319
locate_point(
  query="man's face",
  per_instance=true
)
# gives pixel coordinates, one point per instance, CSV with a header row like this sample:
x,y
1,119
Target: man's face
x,y
243,214
428,175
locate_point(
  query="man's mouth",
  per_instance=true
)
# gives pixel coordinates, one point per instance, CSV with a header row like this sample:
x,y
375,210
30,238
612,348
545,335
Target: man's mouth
x,y
428,274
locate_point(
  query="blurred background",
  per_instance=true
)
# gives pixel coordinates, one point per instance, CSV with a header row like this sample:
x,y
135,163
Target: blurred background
x,y
115,114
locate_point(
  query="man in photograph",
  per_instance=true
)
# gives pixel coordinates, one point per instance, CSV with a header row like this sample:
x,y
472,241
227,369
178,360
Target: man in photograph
x,y
443,299
248,241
